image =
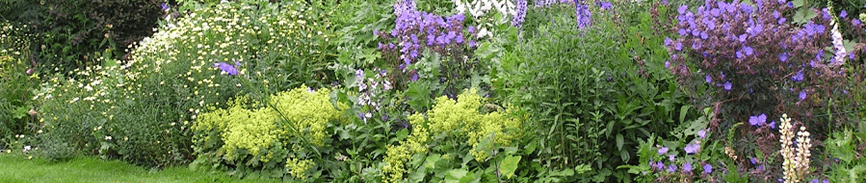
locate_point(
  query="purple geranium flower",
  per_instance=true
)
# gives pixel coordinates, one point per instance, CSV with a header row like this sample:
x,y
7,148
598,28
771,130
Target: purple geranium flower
x,y
758,120
748,50
798,77
783,57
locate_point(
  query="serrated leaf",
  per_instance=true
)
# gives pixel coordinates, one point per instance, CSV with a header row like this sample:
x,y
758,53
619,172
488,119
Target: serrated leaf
x,y
509,165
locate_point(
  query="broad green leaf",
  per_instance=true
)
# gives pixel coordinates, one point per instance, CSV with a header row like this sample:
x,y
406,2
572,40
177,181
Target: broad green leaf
x,y
798,3
402,134
509,165
619,141
454,175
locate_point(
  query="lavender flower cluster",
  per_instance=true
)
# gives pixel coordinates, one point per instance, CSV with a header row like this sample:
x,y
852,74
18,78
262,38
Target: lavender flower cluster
x,y
519,14
372,92
416,30
584,16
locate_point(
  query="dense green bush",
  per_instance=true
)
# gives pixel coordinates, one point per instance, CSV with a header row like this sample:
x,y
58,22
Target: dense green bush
x,y
593,93
70,34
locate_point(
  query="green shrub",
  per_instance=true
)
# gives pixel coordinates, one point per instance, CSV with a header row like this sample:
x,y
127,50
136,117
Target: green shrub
x,y
289,134
593,93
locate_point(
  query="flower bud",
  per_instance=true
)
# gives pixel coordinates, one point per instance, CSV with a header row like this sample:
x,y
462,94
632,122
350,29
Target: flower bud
x,y
32,112
29,71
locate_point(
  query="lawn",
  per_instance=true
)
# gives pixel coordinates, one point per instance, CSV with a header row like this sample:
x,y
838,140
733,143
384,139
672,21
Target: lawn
x,y
17,168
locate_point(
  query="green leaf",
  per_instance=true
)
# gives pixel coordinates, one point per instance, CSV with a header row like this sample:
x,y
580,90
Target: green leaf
x,y
619,141
469,178
402,134
454,175
509,165
798,3
683,111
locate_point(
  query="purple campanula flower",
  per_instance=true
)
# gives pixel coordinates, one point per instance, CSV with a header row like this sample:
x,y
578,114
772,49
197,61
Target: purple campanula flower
x,y
660,165
815,181
727,85
164,7
672,168
692,148
856,22
825,181
672,158
668,41
682,9
683,32
228,68
414,77
708,169
687,167
678,46
702,133
753,160
802,95
709,79
748,50
605,5
663,150
667,64
843,14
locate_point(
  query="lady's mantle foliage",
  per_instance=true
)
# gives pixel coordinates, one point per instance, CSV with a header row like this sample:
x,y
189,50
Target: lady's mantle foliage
x,y
453,119
259,132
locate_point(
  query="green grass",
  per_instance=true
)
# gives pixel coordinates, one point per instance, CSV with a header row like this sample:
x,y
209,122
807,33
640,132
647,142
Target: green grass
x,y
17,168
